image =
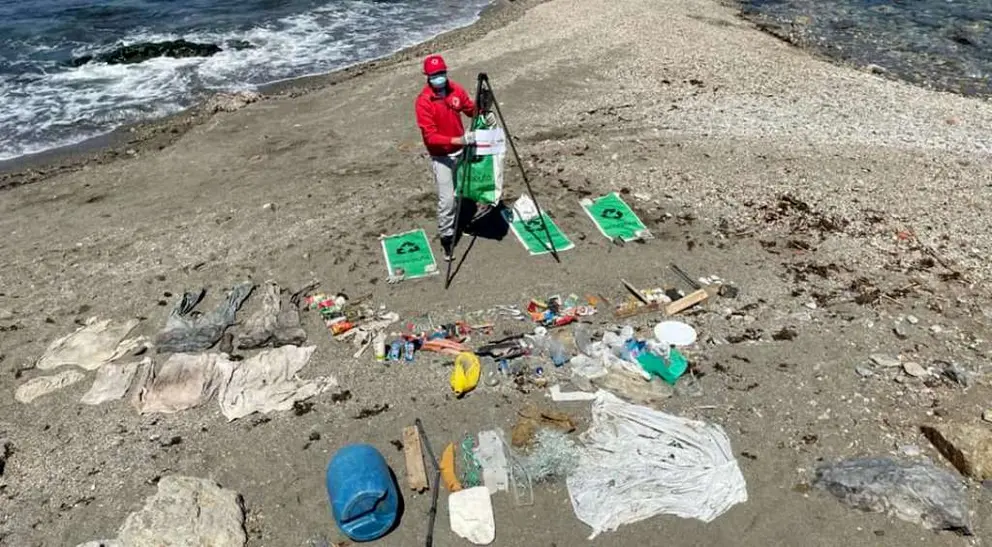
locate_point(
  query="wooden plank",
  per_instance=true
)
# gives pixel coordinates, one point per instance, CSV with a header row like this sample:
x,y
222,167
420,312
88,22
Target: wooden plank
x,y
686,302
633,290
416,476
625,313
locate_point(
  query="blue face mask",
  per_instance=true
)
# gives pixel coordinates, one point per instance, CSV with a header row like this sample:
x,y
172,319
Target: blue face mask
x,y
438,81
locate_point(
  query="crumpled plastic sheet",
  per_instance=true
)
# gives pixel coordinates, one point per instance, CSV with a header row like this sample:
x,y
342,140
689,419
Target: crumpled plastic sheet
x,y
275,323
183,381
637,463
267,382
90,346
112,382
188,332
914,491
43,385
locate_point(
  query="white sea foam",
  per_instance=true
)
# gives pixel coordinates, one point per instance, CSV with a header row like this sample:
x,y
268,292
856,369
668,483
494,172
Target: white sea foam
x,y
64,105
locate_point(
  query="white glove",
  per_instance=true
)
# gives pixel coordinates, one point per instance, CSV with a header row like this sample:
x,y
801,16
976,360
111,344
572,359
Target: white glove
x,y
490,118
469,138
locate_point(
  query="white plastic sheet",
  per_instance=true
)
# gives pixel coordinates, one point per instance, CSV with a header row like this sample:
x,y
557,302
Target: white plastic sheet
x,y
90,346
112,382
43,385
490,454
268,382
638,463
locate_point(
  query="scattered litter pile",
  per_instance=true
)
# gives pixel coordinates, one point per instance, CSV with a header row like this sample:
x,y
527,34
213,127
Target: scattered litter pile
x,y
190,375
684,467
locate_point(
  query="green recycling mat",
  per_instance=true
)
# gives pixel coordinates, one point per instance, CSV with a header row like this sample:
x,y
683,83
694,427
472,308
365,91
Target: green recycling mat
x,y
408,255
614,218
531,233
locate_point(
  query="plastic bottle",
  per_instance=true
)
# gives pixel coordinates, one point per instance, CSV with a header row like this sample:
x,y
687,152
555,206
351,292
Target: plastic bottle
x,y
582,339
364,498
408,350
491,371
395,349
380,347
612,340
556,350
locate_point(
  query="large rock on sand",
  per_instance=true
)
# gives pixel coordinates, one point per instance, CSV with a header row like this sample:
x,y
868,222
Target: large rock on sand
x,y
967,447
185,511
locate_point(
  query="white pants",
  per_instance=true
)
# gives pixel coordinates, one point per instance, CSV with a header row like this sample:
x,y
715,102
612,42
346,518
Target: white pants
x,y
443,168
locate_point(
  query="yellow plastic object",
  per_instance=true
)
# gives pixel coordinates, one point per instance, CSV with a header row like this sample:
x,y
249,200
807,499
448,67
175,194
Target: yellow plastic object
x,y
465,375
447,466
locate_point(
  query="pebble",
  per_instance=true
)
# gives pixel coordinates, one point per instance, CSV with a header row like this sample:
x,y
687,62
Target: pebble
x,y
900,331
6,315
987,415
883,360
912,320
269,207
864,372
910,450
915,369
811,305
936,329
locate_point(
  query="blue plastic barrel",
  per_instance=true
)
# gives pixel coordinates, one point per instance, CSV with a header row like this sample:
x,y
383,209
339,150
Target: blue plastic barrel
x,y
364,498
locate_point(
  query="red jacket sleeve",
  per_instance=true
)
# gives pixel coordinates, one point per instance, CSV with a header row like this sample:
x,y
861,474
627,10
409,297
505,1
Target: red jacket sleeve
x,y
468,105
428,127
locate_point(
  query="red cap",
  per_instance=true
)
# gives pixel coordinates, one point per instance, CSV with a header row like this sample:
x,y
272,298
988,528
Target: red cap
x,y
434,64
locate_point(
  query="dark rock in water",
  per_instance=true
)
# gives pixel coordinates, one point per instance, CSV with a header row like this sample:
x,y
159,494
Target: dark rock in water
x,y
240,44
142,51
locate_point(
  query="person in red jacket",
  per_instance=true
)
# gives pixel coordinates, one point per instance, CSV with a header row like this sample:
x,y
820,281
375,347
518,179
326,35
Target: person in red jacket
x,y
439,109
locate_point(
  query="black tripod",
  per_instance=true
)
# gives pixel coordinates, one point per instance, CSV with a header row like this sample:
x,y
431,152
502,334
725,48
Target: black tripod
x,y
484,99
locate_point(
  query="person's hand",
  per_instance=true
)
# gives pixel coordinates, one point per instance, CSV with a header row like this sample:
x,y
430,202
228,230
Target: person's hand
x,y
490,118
468,139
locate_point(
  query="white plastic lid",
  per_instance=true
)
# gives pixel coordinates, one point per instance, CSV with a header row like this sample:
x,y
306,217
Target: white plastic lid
x,y
674,333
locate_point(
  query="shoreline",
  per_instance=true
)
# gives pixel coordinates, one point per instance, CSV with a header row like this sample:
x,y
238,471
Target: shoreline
x,y
792,34
134,139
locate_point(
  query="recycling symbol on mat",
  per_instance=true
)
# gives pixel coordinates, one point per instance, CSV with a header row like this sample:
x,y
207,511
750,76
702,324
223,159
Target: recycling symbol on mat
x,y
533,224
611,213
407,247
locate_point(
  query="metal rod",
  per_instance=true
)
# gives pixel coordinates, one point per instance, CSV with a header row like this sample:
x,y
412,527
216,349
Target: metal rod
x,y
520,164
468,152
685,277
432,514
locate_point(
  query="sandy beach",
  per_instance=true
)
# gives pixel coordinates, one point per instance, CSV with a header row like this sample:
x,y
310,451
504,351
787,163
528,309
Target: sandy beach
x,y
839,202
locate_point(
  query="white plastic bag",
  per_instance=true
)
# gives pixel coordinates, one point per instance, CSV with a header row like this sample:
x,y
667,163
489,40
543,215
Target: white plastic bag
x,y
524,208
638,463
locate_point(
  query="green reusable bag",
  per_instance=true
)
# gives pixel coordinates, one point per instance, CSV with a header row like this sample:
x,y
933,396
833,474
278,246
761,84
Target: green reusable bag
x,y
480,177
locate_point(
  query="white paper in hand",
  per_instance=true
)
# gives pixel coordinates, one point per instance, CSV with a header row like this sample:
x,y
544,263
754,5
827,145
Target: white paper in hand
x,y
490,142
